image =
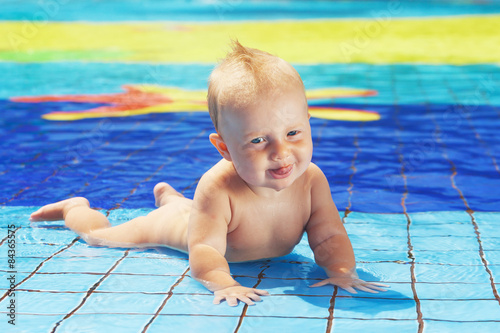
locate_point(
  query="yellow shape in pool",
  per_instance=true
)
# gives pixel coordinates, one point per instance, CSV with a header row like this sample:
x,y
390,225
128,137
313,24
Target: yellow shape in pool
x,y
343,114
145,99
434,40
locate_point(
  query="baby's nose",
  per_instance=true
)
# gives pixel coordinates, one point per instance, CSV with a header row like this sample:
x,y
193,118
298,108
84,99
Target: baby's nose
x,y
280,152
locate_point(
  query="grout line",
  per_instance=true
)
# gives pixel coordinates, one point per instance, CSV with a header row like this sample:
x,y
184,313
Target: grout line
x,y
245,307
351,176
331,309
162,305
89,292
411,255
482,256
9,234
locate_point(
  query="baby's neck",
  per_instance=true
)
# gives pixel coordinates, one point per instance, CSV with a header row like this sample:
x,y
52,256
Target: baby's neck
x,y
266,192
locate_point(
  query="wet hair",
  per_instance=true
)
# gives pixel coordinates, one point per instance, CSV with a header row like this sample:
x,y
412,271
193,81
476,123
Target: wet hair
x,y
244,75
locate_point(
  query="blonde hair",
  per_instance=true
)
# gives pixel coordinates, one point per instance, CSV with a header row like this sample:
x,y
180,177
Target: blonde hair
x,y
243,75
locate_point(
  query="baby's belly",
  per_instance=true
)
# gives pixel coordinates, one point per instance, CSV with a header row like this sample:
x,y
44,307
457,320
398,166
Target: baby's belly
x,y
260,246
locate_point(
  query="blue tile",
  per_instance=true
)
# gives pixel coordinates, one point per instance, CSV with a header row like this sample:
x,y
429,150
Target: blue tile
x,y
372,308
40,250
61,282
294,287
100,322
78,265
27,322
294,270
443,229
394,291
490,243
384,272
82,249
201,305
289,325
291,306
379,243
122,303
445,243
495,271
138,283
194,324
493,257
46,302
147,265
22,264
374,326
468,310
446,273
376,230
451,291
252,269
460,326
380,255
38,234
487,218
449,257
432,218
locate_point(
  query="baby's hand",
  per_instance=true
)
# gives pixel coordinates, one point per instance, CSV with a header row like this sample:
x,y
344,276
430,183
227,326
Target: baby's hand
x,y
351,283
244,294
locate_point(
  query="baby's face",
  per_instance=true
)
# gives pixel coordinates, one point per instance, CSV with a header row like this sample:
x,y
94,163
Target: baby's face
x,y
270,141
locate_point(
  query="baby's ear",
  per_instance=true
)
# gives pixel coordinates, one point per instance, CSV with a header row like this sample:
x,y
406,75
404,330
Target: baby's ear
x,y
218,143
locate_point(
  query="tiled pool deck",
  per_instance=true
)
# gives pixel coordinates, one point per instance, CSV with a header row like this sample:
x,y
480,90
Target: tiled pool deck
x,y
440,266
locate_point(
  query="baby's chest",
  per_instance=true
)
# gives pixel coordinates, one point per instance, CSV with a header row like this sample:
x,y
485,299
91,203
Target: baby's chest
x,y
271,231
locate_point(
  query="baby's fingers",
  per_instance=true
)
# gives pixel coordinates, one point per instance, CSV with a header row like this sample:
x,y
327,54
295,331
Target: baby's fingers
x,y
320,284
376,285
367,289
232,301
260,292
246,300
218,299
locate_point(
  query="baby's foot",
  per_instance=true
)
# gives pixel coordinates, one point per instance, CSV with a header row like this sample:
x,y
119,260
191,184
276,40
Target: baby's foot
x,y
162,192
55,211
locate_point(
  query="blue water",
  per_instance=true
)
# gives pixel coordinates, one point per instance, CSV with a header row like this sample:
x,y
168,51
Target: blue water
x,y
228,10
435,144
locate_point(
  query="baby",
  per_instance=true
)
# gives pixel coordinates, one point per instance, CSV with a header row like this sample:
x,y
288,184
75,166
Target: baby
x,y
255,203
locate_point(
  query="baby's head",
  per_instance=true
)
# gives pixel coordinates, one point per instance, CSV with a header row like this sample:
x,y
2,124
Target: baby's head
x,y
246,75
258,106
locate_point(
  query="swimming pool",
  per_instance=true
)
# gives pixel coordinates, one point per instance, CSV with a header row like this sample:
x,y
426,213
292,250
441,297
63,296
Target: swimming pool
x,y
404,128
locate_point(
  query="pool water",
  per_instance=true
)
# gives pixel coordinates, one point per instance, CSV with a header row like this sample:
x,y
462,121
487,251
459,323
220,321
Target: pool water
x,y
104,100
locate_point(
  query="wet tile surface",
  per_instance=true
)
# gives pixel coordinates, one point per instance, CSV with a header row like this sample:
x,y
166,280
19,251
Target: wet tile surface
x,y
89,287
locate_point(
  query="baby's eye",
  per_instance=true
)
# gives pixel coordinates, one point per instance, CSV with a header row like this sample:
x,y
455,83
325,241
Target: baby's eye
x,y
292,133
257,140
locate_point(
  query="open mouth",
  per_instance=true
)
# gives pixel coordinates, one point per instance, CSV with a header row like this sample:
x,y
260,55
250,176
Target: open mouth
x,y
281,172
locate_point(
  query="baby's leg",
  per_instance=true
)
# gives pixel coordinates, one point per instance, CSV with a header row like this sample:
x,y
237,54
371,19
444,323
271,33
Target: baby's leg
x,y
166,226
76,213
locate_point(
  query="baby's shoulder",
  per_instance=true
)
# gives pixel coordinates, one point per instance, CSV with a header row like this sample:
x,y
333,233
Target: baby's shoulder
x,y
218,178
313,173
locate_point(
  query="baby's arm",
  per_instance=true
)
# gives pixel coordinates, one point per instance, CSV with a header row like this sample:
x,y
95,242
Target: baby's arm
x,y
207,237
329,241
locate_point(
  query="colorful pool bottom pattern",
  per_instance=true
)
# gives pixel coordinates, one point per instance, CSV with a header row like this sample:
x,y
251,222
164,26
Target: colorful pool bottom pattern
x,y
440,265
